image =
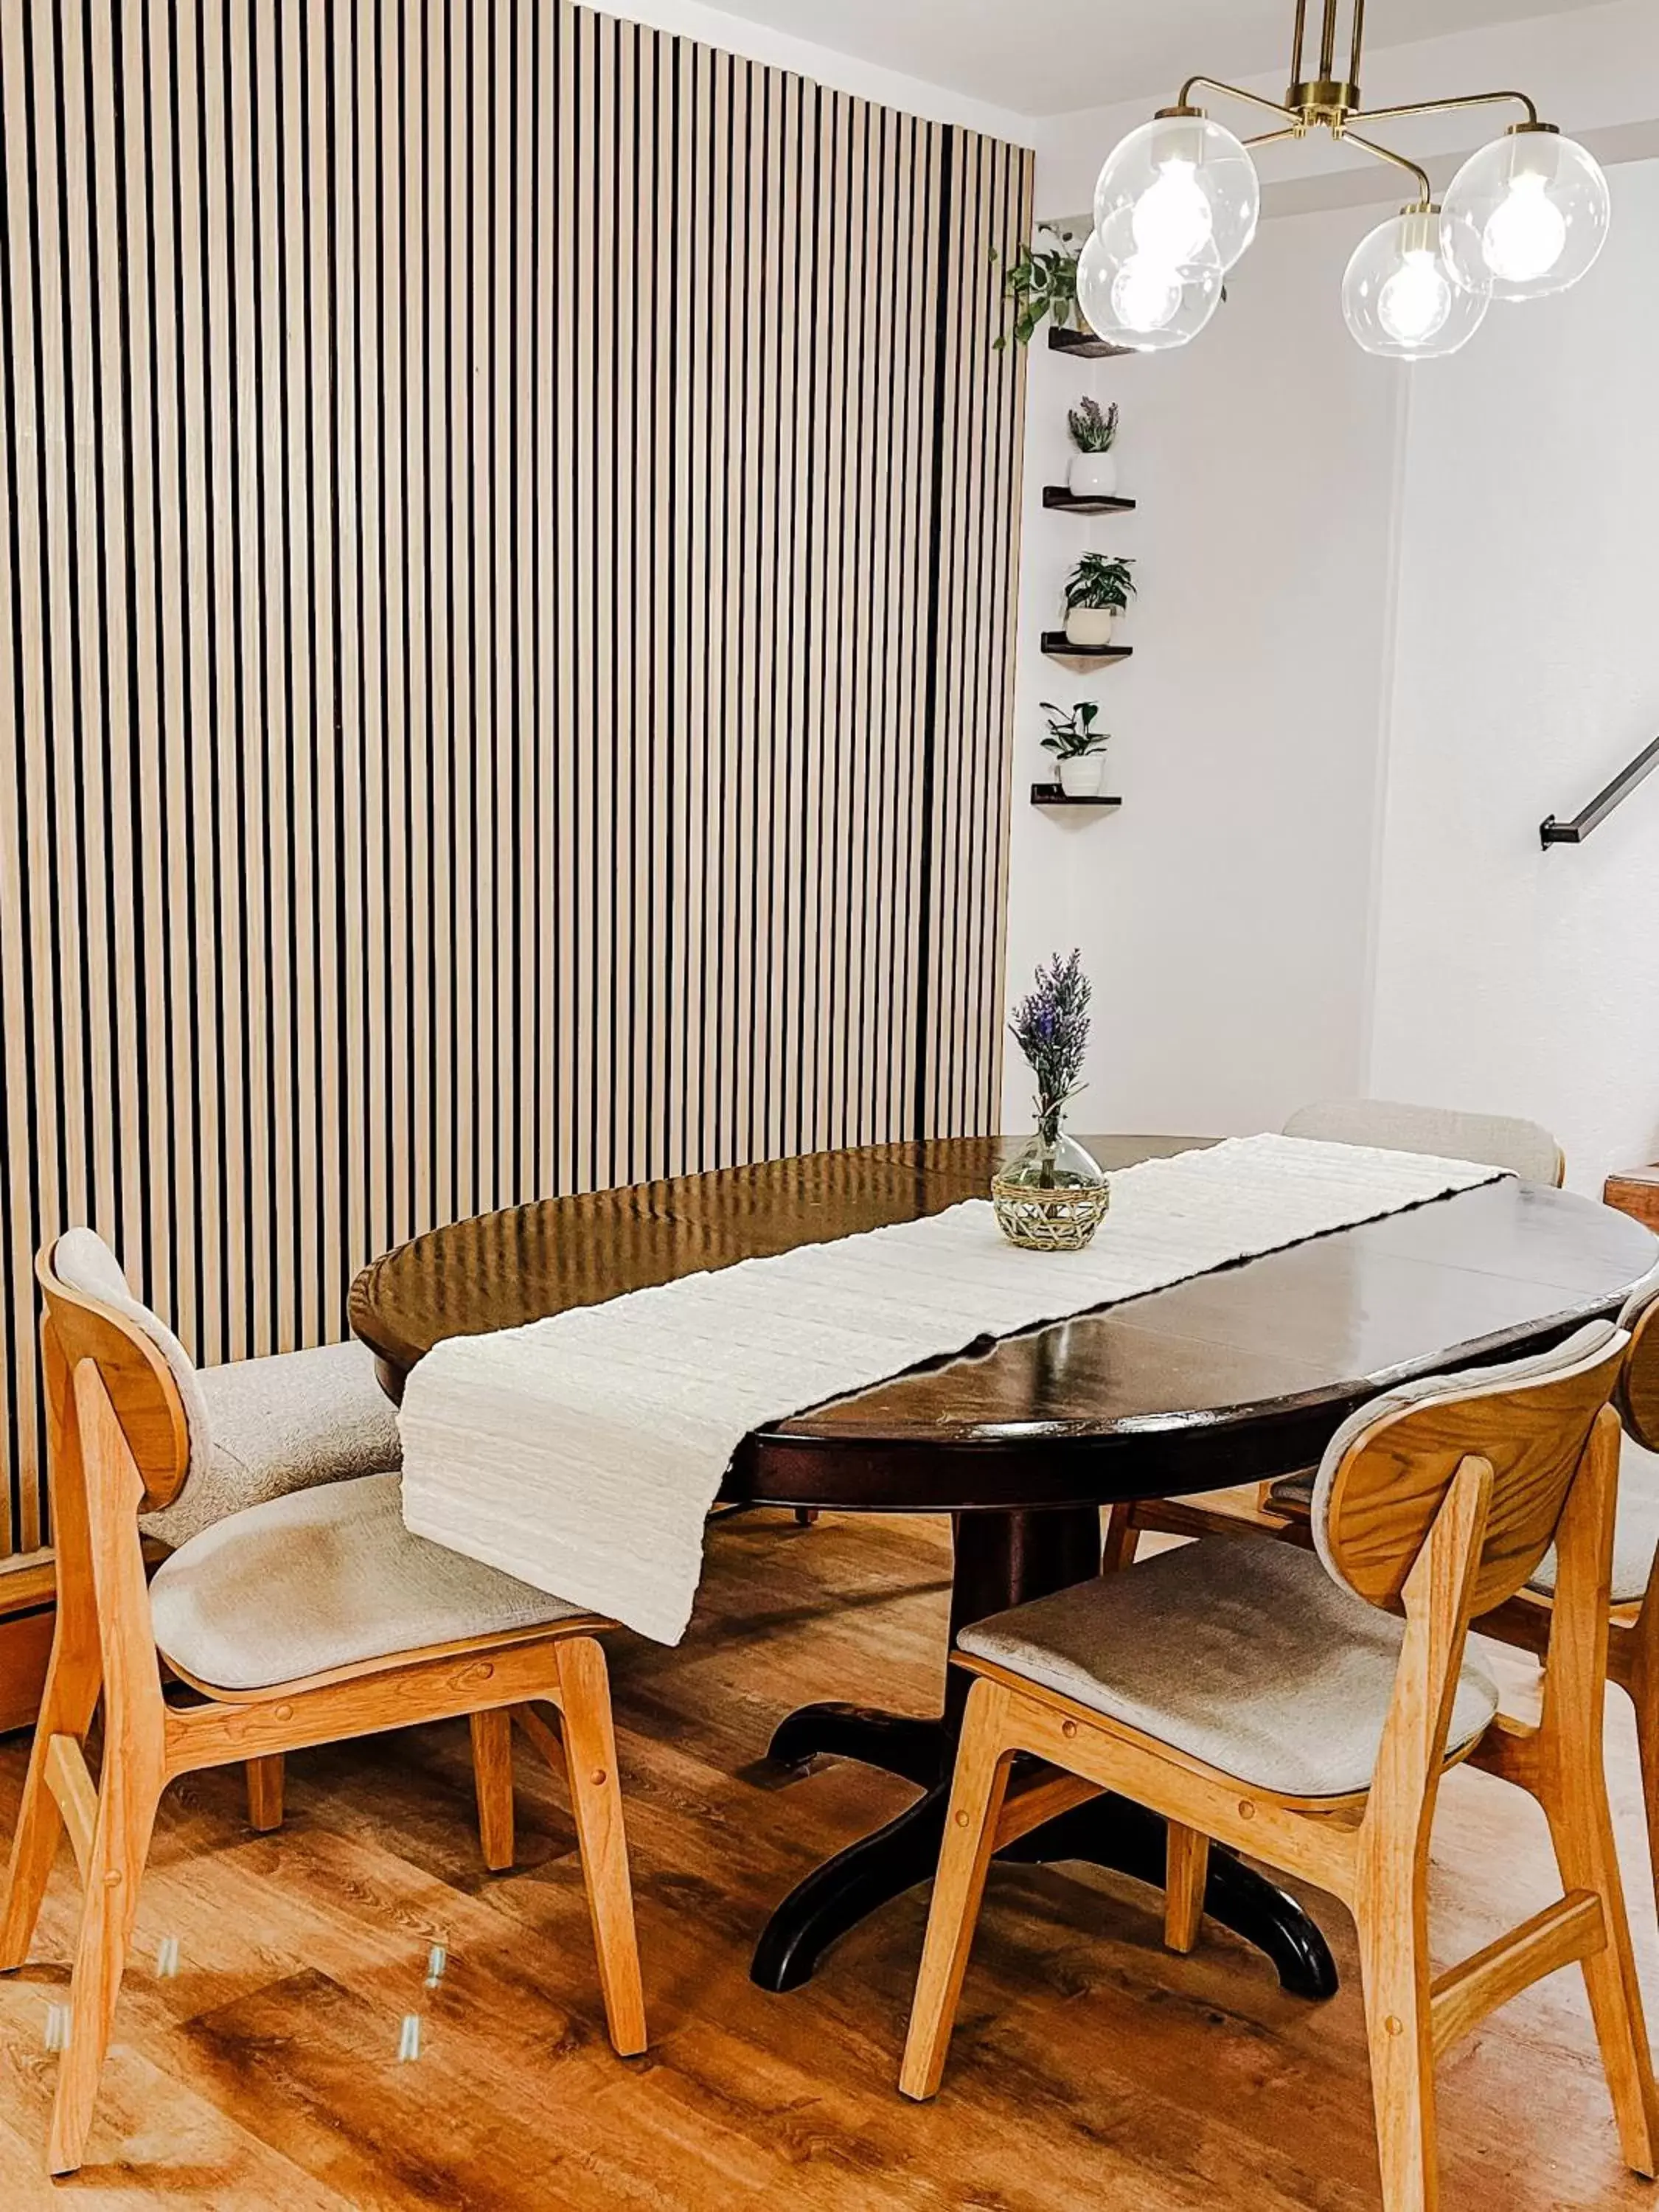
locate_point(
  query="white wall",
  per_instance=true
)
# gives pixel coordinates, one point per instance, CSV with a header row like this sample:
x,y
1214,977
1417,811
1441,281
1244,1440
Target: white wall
x,y
736,34
1224,913
1528,674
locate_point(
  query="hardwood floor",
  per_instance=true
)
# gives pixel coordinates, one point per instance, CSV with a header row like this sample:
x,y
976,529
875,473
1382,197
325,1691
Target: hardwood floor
x,y
1091,2069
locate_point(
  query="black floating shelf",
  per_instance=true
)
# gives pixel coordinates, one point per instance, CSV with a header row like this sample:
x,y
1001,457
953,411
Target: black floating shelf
x,y
1085,344
1070,503
1050,794
1059,647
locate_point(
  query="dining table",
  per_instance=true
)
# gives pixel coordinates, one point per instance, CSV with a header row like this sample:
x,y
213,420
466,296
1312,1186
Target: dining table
x,y
1236,1375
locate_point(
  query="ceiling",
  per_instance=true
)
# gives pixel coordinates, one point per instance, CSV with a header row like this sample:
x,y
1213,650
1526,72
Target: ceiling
x,y
1048,57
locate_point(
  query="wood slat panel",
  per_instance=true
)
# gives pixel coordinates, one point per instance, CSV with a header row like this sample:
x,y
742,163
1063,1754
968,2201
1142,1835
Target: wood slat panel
x,y
507,559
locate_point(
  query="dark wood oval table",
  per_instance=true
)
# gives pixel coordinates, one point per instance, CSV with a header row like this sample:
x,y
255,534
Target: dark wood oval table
x,y
1233,1376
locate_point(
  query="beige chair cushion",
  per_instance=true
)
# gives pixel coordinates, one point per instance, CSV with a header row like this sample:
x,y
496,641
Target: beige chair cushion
x,y
1247,1657
281,1425
1635,1532
1498,1141
325,1578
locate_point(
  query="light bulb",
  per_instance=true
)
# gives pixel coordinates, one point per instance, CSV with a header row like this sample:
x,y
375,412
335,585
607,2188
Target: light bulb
x,y
1172,221
1526,215
1401,295
1146,294
1415,301
1136,301
1526,233
1189,186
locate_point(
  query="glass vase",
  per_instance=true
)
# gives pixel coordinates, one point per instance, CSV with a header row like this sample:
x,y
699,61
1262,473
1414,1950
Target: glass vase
x,y
1052,1196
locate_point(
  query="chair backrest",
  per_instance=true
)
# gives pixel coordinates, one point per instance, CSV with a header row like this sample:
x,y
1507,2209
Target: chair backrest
x,y
1386,1472
1638,1398
83,1263
1498,1141
141,1379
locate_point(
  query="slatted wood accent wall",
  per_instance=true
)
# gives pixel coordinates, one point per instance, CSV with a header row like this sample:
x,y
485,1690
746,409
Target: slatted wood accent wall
x,y
505,602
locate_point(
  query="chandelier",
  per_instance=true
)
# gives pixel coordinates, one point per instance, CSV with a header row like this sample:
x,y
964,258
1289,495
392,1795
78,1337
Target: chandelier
x,y
1177,203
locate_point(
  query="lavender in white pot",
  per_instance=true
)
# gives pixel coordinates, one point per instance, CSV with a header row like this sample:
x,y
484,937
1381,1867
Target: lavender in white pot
x,y
1094,464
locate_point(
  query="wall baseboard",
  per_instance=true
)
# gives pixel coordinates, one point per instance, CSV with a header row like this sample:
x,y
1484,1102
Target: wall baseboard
x,y
28,1612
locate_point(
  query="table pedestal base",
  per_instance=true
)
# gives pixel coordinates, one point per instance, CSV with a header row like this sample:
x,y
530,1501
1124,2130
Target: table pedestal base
x,y
1108,1832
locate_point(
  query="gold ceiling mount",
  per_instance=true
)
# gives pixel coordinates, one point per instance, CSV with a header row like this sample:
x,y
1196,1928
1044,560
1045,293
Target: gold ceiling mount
x,y
1327,101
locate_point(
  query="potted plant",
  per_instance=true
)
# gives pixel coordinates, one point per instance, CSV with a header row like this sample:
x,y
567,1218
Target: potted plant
x,y
1042,282
1078,748
1094,464
1098,591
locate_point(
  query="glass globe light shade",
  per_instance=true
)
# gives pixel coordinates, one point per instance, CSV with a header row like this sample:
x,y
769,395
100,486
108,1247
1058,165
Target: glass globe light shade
x,y
1190,185
1400,296
1525,216
1131,299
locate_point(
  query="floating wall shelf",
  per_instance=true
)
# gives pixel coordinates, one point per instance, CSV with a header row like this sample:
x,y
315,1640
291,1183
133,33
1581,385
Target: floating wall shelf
x,y
1050,794
1070,503
1059,647
1085,344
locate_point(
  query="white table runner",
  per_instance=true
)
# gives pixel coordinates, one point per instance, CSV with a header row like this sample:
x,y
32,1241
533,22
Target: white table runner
x,y
581,1453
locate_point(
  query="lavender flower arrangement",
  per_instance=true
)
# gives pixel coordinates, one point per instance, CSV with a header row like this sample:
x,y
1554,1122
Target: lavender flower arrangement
x,y
1051,1028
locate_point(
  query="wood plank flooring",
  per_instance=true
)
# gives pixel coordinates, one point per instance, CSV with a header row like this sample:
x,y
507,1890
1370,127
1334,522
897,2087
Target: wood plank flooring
x,y
1091,2067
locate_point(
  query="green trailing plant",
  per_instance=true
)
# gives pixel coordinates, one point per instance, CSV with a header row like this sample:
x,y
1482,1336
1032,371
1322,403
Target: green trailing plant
x,y
1040,282
1072,735
1051,1028
1100,580
1094,430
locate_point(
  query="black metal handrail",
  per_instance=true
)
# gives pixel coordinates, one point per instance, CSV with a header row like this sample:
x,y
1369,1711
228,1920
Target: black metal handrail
x,y
1552,832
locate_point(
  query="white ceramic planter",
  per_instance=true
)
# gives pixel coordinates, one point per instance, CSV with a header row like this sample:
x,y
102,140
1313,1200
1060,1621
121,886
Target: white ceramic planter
x,y
1093,475
1082,775
1090,625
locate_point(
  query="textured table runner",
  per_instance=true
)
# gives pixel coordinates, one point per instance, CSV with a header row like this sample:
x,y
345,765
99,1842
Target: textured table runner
x,y
581,1453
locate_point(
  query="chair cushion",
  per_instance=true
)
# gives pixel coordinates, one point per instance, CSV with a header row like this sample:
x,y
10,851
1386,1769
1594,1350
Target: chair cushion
x,y
1635,1531
1247,1657
279,1424
323,1578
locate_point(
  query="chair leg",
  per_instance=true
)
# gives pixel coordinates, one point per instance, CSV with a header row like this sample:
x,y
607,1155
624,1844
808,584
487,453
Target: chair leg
x,y
1187,1867
264,1793
1122,1539
977,1791
805,1516
67,1708
1394,1962
127,1797
1581,1827
492,1781
590,1755
1646,1703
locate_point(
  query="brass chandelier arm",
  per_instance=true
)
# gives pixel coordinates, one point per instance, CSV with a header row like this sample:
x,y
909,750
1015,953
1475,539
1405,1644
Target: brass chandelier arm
x,y
1424,188
1273,137
1237,92
1446,107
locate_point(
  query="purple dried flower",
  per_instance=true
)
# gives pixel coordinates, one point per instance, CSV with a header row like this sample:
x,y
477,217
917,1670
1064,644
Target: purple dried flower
x,y
1051,1028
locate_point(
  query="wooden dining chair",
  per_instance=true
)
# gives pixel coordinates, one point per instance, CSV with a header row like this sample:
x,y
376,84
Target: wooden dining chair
x,y
307,1619
257,1428
1632,1658
1272,1698
1525,1149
